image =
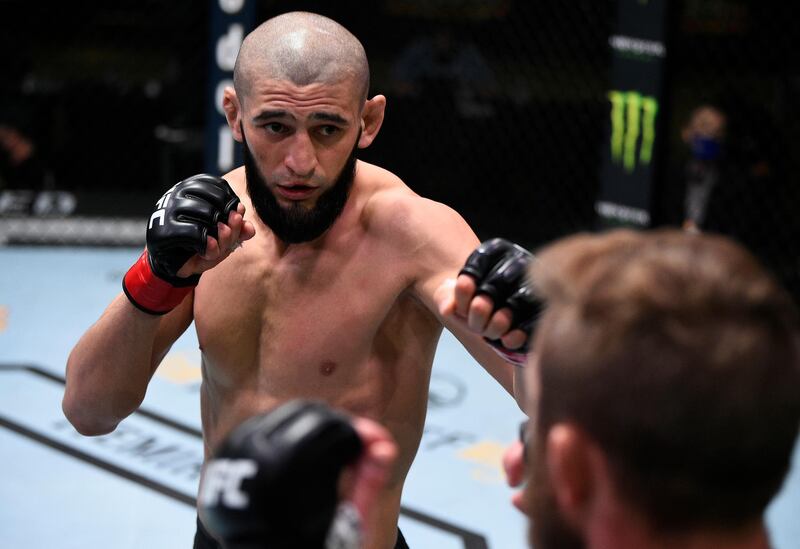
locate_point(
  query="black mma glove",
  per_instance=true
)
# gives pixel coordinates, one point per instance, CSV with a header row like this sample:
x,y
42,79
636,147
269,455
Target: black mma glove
x,y
177,230
273,482
500,270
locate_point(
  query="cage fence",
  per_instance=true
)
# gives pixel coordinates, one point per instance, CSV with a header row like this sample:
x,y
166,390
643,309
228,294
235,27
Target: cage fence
x,y
498,109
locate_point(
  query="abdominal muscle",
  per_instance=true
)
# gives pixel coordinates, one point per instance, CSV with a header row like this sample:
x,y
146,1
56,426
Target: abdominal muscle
x,y
384,378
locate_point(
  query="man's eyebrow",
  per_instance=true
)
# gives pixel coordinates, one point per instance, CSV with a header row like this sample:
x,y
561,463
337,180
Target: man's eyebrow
x,y
330,117
320,115
267,114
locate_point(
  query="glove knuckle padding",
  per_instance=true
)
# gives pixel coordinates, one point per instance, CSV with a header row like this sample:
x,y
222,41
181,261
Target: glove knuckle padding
x,y
500,269
485,256
185,216
299,450
191,209
213,192
525,308
504,278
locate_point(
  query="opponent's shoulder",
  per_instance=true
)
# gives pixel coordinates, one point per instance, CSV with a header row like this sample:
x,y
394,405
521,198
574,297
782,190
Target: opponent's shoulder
x,y
397,214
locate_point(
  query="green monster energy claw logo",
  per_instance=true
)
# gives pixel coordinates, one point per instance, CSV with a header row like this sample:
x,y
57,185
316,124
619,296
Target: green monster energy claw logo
x,y
632,113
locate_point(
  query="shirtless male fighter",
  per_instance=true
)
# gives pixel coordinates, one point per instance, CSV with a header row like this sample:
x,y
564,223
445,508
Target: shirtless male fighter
x,y
342,285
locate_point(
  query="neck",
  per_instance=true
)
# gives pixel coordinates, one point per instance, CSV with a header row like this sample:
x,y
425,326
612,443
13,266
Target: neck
x,y
634,534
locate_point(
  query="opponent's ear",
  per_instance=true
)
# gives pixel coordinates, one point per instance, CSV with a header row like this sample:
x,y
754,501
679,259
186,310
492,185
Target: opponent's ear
x,y
371,120
233,112
573,472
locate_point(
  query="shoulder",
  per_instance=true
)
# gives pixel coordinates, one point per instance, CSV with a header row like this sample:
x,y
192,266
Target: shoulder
x,y
236,179
411,223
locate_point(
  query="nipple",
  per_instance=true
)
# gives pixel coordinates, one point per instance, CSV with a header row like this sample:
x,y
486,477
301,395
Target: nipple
x,y
327,368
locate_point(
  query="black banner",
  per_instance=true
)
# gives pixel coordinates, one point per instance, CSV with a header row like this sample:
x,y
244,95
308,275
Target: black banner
x,y
638,54
231,20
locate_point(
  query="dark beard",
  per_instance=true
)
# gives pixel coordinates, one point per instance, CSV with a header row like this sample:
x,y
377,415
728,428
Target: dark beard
x,y
297,224
548,529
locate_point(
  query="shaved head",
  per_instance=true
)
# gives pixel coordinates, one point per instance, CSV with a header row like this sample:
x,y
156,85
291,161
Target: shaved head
x,y
302,48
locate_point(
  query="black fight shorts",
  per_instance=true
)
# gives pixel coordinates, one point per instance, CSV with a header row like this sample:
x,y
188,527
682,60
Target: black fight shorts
x,y
204,540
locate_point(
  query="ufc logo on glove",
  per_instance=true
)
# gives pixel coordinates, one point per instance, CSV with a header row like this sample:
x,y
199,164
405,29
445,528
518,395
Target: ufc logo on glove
x,y
162,209
223,482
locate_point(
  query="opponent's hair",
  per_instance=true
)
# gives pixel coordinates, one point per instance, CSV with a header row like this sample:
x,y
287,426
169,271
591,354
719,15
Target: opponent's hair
x,y
678,354
302,48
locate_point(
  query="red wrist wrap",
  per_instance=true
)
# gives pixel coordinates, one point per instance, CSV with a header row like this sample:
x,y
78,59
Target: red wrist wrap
x,y
150,293
514,357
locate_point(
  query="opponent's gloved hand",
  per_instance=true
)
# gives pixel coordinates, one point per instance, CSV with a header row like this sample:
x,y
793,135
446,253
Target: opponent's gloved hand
x,y
500,270
273,482
177,230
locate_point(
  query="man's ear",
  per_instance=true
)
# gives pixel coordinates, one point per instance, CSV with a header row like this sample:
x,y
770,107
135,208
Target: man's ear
x,y
233,112
371,120
573,469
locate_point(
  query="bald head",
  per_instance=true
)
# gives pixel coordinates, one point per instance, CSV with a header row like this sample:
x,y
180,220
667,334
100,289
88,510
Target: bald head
x,y
302,48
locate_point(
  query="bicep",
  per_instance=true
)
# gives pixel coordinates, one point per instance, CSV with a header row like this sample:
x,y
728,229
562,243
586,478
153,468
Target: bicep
x,y
447,248
170,328
448,243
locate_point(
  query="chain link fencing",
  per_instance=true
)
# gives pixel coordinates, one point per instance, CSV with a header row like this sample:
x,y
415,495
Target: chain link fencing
x,y
498,109
733,76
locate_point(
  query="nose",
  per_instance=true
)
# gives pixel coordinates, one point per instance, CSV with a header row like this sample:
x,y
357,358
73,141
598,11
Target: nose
x,y
301,158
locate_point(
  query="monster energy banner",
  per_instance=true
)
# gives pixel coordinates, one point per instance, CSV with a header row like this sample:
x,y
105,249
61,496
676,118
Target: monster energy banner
x,y
637,64
231,20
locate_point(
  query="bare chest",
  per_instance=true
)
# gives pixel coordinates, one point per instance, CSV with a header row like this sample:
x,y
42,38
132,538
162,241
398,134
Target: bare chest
x,y
306,325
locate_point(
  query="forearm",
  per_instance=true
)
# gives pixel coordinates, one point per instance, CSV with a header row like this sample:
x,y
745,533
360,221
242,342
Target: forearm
x,y
510,376
503,372
109,369
519,388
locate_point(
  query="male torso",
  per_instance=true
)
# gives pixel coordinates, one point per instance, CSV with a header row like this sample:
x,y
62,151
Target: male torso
x,y
337,320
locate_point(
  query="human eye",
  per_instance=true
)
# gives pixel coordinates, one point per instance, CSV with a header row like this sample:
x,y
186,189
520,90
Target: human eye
x,y
329,130
275,128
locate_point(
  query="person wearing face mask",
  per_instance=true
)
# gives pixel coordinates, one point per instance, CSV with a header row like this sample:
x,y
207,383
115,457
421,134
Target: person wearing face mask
x,y
731,180
704,136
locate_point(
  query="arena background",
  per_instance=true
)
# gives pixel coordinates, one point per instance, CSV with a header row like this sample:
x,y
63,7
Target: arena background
x,y
113,98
